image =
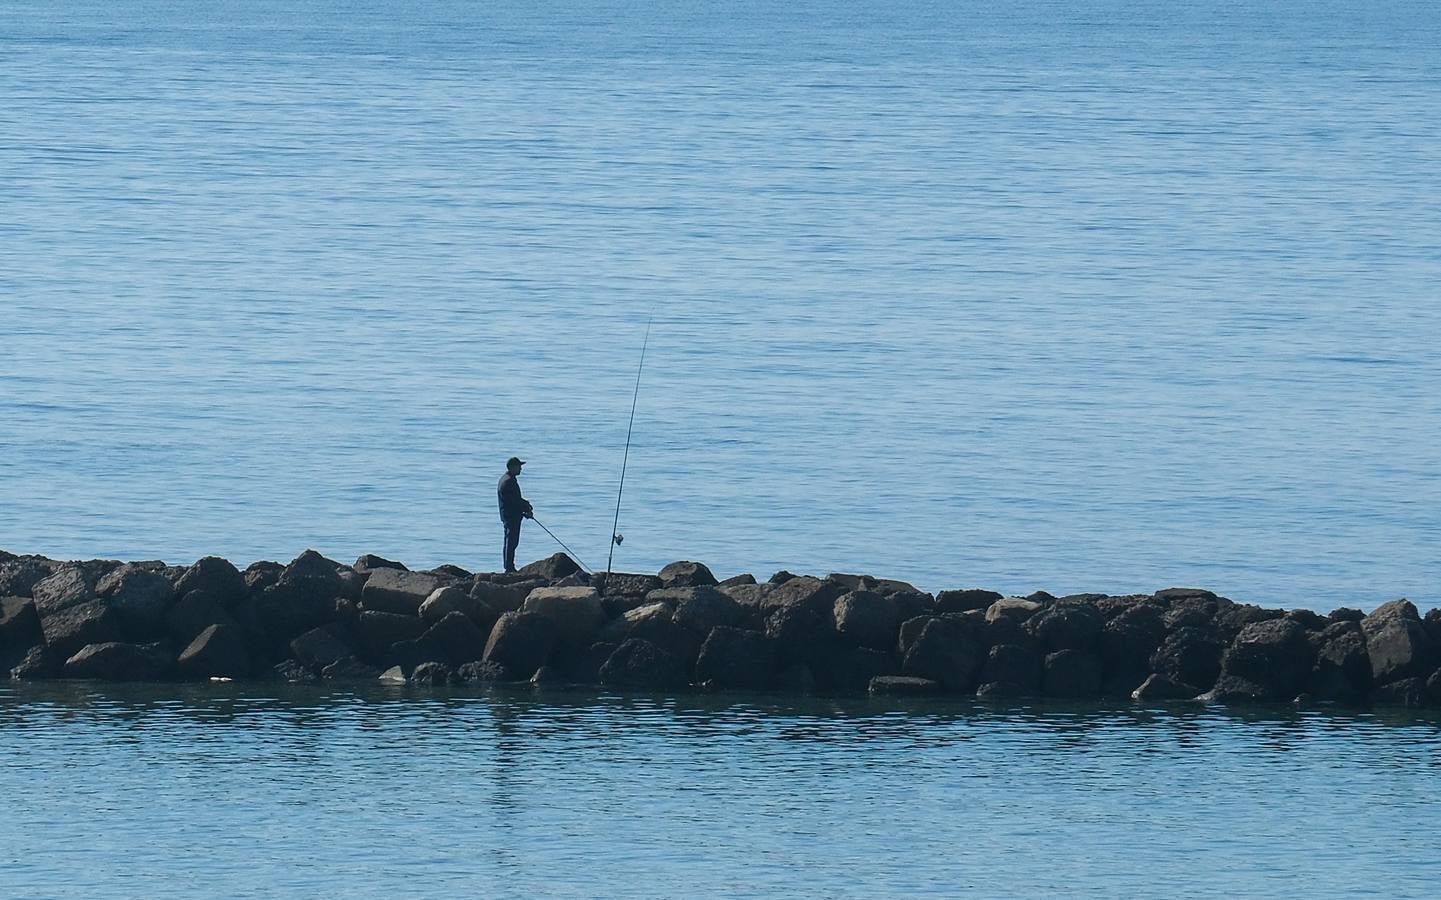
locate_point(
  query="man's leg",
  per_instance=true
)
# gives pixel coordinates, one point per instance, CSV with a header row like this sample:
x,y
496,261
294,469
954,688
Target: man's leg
x,y
512,540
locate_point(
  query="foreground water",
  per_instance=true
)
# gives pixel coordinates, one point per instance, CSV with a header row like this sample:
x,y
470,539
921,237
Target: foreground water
x,y
274,790
1087,296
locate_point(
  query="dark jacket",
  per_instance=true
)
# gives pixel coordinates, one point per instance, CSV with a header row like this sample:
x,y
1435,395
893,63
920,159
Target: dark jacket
x,y
512,505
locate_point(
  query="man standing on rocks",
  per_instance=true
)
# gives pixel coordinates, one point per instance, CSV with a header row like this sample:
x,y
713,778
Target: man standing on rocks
x,y
513,508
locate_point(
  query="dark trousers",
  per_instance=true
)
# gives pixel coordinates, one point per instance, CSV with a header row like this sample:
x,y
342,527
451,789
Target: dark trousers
x,y
512,540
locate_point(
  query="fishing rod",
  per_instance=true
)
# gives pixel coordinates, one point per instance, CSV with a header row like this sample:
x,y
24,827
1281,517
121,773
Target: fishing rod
x,y
616,537
562,545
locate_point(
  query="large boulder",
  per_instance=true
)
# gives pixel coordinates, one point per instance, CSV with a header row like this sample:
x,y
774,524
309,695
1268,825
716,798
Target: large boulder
x,y
576,612
398,591
909,632
521,642
453,599
69,630
1396,642
626,584
552,568
260,575
946,652
193,613
503,597
620,628
320,647
115,661
1071,673
70,586
1128,641
1013,664
288,609
803,592
140,598
1409,692
735,658
454,640
702,609
800,632
1190,655
1269,660
370,562
218,651
686,574
378,632
866,619
1067,626
19,630
219,578
1342,672
640,664
36,663
965,600
19,576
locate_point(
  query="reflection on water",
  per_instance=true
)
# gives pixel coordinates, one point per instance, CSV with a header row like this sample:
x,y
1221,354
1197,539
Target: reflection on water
x,y
174,790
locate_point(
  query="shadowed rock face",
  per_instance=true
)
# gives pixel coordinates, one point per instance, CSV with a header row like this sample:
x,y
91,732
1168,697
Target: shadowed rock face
x,y
677,629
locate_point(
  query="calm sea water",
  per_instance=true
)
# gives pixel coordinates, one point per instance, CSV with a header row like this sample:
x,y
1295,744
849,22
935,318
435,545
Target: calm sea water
x,y
1086,296
272,791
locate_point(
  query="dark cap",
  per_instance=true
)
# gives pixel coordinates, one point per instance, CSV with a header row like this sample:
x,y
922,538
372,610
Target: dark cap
x,y
514,461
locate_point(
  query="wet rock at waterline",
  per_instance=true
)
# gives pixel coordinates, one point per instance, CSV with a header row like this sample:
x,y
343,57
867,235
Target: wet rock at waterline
x,y
681,628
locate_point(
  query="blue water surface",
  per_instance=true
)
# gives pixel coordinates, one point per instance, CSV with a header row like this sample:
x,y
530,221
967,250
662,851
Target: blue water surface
x,y
1107,295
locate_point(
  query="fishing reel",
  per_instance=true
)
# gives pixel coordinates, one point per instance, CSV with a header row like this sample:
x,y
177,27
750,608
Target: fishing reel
x,y
618,538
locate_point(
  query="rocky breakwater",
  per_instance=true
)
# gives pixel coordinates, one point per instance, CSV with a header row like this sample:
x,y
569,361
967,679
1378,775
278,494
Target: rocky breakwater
x,y
315,619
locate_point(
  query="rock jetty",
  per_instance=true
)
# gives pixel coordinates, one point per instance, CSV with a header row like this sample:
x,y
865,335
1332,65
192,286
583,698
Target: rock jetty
x,y
551,623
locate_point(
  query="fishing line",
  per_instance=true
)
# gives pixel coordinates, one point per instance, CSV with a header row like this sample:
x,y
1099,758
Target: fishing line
x,y
615,536
562,545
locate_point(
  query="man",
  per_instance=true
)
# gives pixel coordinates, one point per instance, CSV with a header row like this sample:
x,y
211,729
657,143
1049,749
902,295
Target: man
x,y
513,508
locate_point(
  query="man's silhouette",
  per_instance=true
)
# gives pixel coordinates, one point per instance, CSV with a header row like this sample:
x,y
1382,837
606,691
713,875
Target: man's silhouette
x,y
513,508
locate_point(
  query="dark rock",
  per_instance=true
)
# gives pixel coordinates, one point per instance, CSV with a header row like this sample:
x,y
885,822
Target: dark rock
x,y
738,580
1130,638
455,640
799,632
948,653
378,632
19,576
295,672
483,673
218,577
1159,687
889,587
640,664
909,632
780,577
397,591
619,629
352,585
837,667
311,564
1071,673
704,608
370,562
115,661
349,669
1013,664
686,574
576,612
994,691
19,630
1193,612
1308,619
1407,692
68,587
1181,594
735,658
796,679
965,600
1190,655
450,571
1233,618
452,599
193,613
1269,660
261,575
1342,672
1397,643
1042,597
751,598
623,584
903,685
67,631
432,674
1433,688
139,597
320,647
1346,614
1067,626
521,642
552,568
218,651
852,582
910,604
584,668
503,598
37,663
288,609
866,619
804,592
1112,607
